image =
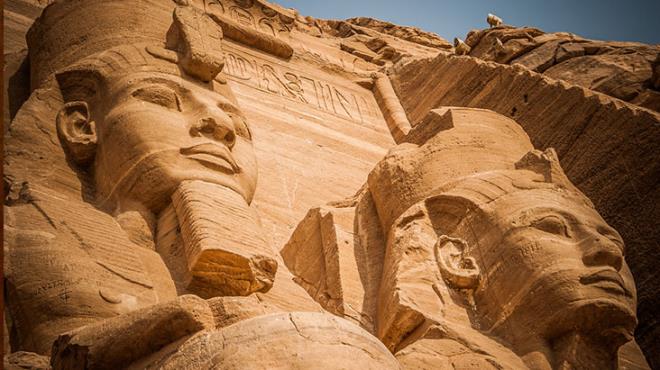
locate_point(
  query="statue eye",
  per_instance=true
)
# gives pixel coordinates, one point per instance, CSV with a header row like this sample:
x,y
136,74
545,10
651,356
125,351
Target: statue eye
x,y
158,95
551,224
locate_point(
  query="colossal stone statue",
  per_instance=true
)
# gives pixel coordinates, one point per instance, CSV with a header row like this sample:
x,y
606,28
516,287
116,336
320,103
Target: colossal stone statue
x,y
136,236
491,258
153,127
144,202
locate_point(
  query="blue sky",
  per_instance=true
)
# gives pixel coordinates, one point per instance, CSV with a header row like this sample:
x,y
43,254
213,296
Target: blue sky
x,y
632,20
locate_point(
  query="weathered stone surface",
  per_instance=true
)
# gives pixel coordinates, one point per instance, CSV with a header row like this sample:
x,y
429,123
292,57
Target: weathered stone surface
x,y
412,34
541,59
623,70
230,310
136,235
622,76
503,42
107,197
16,74
649,99
297,339
585,129
26,361
226,253
336,264
115,343
454,276
18,16
375,41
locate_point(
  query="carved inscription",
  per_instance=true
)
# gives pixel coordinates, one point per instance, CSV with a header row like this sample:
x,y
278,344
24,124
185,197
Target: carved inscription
x,y
215,7
60,287
267,26
242,17
292,85
260,18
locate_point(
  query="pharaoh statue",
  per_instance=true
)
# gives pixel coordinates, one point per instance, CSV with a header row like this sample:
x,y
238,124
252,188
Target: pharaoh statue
x,y
468,248
130,236
133,238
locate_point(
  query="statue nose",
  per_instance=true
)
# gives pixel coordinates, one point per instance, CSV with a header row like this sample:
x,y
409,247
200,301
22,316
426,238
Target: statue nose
x,y
221,130
603,252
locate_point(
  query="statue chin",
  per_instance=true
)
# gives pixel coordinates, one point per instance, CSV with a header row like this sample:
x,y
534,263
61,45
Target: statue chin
x,y
152,184
604,319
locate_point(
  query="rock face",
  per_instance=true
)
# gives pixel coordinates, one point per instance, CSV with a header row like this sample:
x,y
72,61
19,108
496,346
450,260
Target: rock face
x,y
229,184
624,70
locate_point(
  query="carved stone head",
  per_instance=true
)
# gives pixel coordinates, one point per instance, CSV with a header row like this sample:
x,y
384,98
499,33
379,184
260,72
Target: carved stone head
x,y
145,108
499,232
533,256
133,139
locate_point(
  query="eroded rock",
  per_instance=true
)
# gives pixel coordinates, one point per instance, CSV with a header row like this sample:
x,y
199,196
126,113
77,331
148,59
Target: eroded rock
x,y
619,69
136,235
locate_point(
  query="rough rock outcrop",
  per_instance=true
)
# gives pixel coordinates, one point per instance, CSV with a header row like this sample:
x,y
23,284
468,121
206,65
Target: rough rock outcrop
x,y
624,70
376,41
137,235
412,34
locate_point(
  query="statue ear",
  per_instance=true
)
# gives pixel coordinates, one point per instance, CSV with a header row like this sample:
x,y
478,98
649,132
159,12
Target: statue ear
x,y
458,270
77,131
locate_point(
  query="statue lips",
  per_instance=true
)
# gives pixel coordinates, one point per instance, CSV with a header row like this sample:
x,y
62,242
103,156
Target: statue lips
x,y
212,155
608,280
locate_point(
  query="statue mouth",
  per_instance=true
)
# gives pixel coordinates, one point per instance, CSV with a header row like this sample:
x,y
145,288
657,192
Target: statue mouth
x,y
212,155
608,280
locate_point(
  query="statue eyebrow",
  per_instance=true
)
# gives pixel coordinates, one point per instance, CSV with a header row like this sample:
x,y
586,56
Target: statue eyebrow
x,y
602,228
567,216
608,230
538,213
176,86
181,91
529,216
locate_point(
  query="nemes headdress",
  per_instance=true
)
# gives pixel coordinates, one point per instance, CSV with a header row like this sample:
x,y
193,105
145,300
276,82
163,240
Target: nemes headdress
x,y
108,36
469,157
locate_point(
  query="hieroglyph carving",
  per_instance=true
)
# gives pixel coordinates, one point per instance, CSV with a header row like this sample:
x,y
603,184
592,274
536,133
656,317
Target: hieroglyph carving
x,y
256,15
133,235
255,24
355,104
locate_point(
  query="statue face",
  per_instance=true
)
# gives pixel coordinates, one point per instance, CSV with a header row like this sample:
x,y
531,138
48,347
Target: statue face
x,y
157,130
553,265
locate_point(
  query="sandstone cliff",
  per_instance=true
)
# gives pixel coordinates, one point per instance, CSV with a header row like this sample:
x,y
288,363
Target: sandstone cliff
x,y
629,71
594,101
